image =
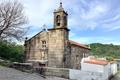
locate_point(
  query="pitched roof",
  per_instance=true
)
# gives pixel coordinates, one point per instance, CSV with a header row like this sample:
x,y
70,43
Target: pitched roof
x,y
78,44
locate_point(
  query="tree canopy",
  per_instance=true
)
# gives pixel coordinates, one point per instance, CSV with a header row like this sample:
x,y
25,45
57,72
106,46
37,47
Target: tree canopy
x,y
12,19
109,51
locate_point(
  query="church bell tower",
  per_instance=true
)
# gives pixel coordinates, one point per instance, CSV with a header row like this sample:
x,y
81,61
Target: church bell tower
x,y
58,39
60,17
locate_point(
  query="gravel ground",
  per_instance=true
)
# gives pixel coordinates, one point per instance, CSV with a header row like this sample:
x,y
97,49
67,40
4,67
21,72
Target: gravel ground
x,y
12,74
116,77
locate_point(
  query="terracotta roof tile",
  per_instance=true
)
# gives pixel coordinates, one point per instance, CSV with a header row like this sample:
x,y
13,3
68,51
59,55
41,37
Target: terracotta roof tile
x,y
99,62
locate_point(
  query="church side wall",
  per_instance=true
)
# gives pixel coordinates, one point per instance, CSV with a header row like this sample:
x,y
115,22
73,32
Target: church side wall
x,y
77,53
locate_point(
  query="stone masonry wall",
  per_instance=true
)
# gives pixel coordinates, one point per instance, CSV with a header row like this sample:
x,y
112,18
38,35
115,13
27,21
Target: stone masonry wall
x,y
77,53
56,48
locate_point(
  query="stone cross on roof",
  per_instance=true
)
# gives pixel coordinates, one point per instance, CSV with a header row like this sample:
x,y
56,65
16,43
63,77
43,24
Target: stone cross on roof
x,y
60,7
44,28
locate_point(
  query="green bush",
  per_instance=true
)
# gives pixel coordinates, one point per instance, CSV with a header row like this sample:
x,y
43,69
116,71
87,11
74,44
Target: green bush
x,y
11,51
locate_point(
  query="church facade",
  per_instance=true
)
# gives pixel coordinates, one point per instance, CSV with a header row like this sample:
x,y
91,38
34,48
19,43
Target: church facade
x,y
53,48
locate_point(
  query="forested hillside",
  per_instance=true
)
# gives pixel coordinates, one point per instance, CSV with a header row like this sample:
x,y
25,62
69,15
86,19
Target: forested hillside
x,y
105,50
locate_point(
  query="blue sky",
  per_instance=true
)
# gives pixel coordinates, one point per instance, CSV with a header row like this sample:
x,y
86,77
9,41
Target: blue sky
x,y
90,21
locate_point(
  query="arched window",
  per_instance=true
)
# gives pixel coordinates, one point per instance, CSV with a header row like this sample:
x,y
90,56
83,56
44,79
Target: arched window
x,y
65,20
58,20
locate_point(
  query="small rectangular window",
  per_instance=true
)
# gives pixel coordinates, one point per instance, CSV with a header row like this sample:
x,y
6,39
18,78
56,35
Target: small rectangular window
x,y
44,44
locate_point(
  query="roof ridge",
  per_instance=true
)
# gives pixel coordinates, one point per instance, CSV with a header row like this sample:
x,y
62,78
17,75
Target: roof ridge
x,y
78,44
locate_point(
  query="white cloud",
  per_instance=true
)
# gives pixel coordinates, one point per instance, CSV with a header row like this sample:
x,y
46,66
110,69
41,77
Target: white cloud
x,y
39,12
94,11
114,28
94,14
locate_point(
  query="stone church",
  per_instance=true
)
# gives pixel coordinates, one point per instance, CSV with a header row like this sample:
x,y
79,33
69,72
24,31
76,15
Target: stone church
x,y
53,48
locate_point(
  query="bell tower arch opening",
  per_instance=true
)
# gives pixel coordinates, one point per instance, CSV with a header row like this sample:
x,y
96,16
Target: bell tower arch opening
x,y
58,20
60,17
